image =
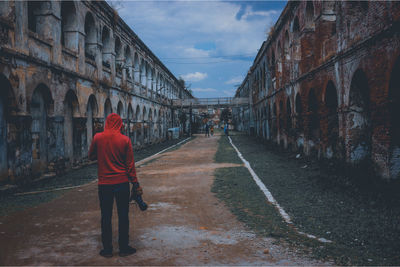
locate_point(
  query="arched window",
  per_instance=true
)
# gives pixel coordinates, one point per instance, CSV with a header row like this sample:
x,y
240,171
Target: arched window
x,y
153,80
309,14
273,64
296,26
136,68
106,49
90,37
279,50
69,25
34,10
286,46
120,109
128,65
137,117
107,109
144,114
296,39
118,57
143,72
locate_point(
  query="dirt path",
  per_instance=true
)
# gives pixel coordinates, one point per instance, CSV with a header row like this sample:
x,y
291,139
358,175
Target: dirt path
x,y
185,223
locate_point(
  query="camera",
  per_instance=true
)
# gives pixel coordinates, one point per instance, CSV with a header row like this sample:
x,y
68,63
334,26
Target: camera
x,y
136,194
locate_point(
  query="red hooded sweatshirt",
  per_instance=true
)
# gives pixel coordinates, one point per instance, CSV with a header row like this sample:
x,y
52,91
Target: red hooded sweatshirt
x,y
114,153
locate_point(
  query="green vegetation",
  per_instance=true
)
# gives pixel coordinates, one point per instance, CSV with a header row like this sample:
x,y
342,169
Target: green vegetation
x,y
225,152
364,230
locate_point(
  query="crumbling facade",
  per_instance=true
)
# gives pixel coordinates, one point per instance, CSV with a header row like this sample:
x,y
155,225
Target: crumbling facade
x,y
64,66
326,82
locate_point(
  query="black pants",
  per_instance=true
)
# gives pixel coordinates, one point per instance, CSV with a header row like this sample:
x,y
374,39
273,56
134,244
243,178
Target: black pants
x,y
106,197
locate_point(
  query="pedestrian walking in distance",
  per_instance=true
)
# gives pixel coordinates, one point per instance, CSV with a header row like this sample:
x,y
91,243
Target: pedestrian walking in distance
x,y
116,168
207,130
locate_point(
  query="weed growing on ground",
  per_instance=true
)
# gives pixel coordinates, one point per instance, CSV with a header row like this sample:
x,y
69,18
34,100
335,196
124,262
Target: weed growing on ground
x,y
364,230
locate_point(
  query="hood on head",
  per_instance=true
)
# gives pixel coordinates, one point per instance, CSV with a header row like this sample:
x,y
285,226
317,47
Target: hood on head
x,y
113,122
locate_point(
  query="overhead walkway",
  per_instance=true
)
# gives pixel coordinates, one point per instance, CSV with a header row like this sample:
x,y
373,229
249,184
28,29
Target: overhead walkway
x,y
219,102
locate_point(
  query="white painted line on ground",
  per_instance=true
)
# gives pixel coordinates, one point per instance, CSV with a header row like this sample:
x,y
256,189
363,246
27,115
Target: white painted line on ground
x,y
158,153
140,162
271,199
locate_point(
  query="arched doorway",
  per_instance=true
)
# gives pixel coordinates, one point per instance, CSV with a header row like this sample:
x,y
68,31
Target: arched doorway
x,y
107,110
313,117
41,100
72,141
91,111
7,100
137,125
331,104
129,123
299,114
359,120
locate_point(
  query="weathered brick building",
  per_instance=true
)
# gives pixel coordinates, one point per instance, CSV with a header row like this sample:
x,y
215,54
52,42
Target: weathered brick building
x,y
326,82
64,66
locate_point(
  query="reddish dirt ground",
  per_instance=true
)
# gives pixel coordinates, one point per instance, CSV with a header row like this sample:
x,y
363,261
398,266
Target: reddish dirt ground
x,y
184,225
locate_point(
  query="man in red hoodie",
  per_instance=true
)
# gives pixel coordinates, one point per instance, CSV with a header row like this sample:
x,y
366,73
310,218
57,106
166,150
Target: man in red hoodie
x,y
116,167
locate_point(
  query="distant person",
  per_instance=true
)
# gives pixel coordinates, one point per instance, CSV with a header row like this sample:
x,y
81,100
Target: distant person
x,y
207,130
212,130
116,167
226,129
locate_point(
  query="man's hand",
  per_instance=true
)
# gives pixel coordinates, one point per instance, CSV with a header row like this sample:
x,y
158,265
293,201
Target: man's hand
x,y
136,194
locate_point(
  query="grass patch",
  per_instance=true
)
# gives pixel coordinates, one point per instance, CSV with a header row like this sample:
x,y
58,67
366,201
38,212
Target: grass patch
x,y
364,229
236,187
226,153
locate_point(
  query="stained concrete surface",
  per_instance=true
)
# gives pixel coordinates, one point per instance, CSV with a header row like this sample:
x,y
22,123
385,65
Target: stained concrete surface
x,y
184,225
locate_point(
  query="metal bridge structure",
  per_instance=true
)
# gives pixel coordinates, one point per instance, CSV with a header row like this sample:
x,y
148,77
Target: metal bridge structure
x,y
219,102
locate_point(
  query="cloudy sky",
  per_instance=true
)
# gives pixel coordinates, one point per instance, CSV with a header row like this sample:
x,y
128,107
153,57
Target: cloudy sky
x,y
211,44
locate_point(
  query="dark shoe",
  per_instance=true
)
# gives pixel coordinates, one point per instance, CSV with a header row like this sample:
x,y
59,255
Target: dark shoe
x,y
106,253
127,251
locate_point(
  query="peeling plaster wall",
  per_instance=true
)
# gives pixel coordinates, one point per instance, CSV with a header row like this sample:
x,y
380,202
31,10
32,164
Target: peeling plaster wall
x,y
331,42
48,76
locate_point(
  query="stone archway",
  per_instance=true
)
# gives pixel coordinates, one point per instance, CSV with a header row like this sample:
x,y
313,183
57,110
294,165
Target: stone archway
x,y
41,99
72,141
359,119
107,109
91,111
7,100
331,119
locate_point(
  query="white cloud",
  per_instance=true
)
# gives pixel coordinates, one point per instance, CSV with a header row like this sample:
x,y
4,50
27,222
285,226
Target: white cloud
x,y
229,92
194,77
193,52
235,80
202,90
178,25
198,38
